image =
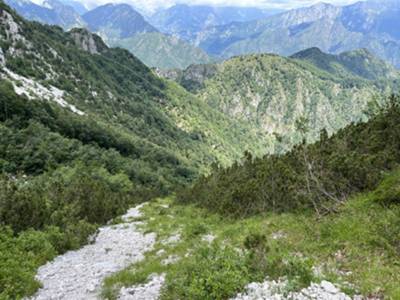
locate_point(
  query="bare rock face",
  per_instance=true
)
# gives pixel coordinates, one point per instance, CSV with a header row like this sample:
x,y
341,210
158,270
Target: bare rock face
x,y
192,78
87,41
12,30
2,58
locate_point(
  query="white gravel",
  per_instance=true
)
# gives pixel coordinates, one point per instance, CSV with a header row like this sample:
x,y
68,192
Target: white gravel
x,y
148,291
79,274
173,239
275,290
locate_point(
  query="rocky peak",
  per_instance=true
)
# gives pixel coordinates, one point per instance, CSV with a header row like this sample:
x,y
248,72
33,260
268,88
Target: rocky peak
x,y
87,41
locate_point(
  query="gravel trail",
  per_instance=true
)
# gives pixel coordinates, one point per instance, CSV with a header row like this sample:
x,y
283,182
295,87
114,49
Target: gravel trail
x,y
79,274
276,290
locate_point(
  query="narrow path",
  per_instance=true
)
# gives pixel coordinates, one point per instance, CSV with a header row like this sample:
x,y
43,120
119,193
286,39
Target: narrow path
x,y
79,274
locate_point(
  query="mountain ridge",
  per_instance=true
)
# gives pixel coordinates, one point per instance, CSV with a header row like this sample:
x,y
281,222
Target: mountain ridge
x,y
298,29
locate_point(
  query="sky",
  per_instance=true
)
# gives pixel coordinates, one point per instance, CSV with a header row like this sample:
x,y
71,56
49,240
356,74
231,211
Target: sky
x,y
151,5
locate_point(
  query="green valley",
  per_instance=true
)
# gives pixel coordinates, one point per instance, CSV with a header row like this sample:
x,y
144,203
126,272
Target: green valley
x,y
257,177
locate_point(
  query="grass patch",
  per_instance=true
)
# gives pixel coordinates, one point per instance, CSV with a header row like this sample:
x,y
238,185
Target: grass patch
x,y
356,248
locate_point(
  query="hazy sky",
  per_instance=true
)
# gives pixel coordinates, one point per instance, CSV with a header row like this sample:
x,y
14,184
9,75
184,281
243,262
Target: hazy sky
x,y
154,4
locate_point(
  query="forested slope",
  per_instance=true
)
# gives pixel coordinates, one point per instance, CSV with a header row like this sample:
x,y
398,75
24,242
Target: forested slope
x,y
320,176
87,131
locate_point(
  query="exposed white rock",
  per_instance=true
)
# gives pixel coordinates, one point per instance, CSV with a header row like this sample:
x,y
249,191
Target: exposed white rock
x,y
12,28
78,275
209,238
170,260
278,235
148,291
160,252
172,239
276,290
133,213
33,89
2,58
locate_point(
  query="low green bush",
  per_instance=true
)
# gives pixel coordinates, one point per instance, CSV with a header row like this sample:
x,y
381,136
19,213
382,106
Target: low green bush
x,y
214,272
20,256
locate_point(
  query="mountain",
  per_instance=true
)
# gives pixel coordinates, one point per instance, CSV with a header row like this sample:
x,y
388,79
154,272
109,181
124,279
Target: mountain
x,y
76,5
116,20
68,17
272,93
52,12
187,21
359,63
371,24
111,86
119,25
163,51
88,131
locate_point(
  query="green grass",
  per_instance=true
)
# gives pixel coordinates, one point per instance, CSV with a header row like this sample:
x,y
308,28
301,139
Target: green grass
x,y
357,248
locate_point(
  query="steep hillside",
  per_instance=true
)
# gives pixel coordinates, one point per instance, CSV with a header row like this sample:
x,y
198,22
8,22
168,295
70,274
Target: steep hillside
x,y
76,5
360,63
116,20
118,25
109,83
163,51
272,93
321,222
370,24
121,26
85,132
320,176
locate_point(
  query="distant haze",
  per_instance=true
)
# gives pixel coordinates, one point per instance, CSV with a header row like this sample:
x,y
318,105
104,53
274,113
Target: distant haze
x,y
149,6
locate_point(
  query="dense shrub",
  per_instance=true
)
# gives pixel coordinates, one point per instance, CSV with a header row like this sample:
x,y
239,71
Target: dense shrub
x,y
213,273
19,258
317,176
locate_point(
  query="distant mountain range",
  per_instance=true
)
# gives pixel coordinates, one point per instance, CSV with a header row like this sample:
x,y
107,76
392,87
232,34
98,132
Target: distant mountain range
x,y
173,37
119,25
187,21
374,25
116,21
52,12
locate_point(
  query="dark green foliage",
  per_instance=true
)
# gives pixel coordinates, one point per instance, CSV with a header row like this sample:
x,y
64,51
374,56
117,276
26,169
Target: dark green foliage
x,y
63,197
215,272
318,176
388,191
19,258
38,136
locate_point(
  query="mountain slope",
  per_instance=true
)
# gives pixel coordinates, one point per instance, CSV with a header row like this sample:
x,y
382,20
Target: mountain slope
x,y
110,85
272,93
52,12
162,51
76,5
119,20
319,176
119,25
372,25
186,21
360,63
87,131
